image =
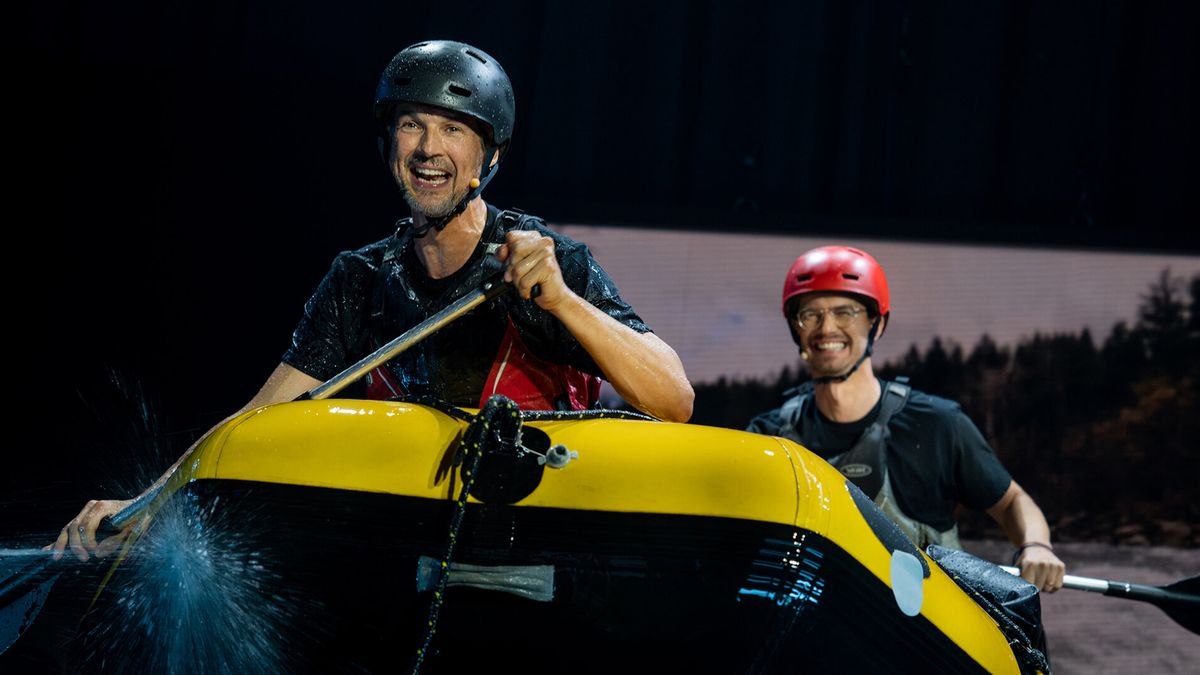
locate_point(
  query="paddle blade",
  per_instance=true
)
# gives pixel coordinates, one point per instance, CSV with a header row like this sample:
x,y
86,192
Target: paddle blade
x,y
1186,614
22,595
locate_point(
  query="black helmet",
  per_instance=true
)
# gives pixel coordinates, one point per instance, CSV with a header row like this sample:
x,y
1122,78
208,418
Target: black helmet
x,y
450,75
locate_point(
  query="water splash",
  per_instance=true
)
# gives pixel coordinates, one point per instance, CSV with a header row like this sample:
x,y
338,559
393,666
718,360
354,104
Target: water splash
x,y
195,596
199,593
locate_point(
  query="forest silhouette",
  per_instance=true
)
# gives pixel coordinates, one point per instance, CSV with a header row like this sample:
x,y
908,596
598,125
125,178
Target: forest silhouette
x,y
1104,436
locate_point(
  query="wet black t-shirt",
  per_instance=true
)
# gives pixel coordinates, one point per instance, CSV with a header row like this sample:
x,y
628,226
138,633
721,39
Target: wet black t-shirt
x,y
373,294
936,457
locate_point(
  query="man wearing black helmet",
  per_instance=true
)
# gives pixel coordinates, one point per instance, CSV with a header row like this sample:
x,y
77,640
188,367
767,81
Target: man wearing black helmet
x,y
917,456
445,112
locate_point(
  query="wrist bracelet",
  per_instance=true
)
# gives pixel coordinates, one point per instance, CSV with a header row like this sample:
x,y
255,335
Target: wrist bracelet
x,y
1022,547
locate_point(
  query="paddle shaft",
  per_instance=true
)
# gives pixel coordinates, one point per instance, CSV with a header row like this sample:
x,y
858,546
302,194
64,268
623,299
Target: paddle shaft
x,y
410,337
490,289
1123,589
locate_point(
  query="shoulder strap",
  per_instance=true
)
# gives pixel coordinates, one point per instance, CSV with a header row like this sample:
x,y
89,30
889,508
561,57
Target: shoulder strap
x,y
390,254
516,219
395,246
865,463
798,396
509,219
895,395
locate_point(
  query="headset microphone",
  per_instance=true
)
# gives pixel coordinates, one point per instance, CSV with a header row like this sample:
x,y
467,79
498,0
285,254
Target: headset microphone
x,y
474,183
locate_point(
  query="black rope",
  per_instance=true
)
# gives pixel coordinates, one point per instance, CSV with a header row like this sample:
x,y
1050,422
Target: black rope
x,y
529,415
471,452
437,404
480,430
590,414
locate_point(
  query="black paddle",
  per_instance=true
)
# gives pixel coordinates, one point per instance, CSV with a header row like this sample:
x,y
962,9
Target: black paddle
x,y
23,589
25,585
1180,600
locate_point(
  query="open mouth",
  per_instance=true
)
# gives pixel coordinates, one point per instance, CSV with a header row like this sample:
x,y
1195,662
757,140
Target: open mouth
x,y
829,346
427,178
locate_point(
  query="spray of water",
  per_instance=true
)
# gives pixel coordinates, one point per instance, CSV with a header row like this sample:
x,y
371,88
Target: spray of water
x,y
197,593
195,596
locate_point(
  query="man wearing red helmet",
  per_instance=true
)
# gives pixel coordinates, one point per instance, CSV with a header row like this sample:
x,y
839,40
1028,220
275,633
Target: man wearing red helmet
x,y
917,456
445,112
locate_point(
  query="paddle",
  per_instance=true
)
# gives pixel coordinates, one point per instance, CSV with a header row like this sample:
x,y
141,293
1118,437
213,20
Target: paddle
x,y
488,290
410,337
1180,600
24,587
23,590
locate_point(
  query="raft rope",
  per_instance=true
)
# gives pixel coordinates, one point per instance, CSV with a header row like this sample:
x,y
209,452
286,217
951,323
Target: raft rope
x,y
499,421
481,426
529,415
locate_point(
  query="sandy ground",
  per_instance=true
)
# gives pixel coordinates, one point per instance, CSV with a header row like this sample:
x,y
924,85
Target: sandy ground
x,y
1090,633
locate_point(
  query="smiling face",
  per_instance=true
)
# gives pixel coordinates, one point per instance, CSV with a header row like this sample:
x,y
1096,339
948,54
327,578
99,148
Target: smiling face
x,y
834,332
435,154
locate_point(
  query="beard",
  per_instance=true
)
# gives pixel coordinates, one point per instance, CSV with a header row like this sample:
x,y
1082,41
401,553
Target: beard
x,y
433,207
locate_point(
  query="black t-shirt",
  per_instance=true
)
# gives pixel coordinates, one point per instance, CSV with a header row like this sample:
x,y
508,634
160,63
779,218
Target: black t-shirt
x,y
373,294
936,457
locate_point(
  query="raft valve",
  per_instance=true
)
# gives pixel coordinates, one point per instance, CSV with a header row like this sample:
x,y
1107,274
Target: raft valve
x,y
558,456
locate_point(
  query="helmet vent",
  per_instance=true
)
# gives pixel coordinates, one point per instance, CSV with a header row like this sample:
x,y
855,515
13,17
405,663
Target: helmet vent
x,y
401,81
468,52
459,91
851,277
803,278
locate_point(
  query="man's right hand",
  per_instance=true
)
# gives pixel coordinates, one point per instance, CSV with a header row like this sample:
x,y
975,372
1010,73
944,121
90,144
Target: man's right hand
x,y
80,533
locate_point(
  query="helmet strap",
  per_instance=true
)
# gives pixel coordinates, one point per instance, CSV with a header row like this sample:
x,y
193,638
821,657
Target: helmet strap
x,y
866,354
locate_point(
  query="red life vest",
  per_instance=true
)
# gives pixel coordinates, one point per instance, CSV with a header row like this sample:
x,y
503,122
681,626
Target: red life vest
x,y
533,383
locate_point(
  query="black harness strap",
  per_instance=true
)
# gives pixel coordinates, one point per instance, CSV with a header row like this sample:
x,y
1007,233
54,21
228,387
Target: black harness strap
x,y
390,255
865,463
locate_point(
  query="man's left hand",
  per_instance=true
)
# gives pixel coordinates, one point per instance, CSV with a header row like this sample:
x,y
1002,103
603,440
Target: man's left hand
x,y
531,262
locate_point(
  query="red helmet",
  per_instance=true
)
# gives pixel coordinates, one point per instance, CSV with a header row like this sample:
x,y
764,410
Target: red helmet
x,y
840,269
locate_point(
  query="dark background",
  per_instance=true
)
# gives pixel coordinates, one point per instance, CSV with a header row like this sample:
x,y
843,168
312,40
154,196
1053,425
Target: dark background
x,y
182,173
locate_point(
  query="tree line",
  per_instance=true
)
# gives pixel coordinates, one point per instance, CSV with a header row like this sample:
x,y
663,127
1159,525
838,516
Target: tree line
x,y
1104,434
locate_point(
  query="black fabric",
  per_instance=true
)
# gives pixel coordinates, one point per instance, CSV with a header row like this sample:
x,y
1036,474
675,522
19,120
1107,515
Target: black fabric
x,y
936,457
337,328
864,464
1017,599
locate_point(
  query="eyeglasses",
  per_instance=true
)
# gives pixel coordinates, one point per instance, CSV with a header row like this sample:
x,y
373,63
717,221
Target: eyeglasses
x,y
842,316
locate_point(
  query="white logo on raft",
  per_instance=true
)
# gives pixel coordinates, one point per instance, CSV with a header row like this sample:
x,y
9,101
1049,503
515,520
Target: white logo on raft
x,y
856,470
